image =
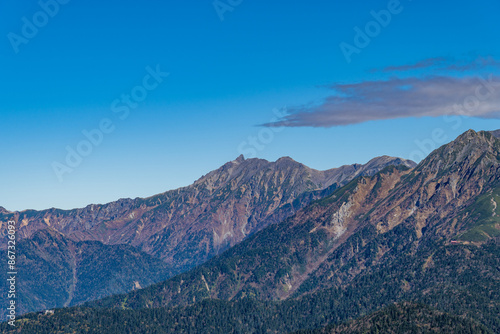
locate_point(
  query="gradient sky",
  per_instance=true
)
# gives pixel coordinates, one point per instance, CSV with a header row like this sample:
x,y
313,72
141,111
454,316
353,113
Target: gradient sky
x,y
227,78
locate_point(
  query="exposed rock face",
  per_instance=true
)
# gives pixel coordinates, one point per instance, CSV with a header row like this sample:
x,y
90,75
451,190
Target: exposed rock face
x,y
429,234
443,199
443,183
187,226
447,199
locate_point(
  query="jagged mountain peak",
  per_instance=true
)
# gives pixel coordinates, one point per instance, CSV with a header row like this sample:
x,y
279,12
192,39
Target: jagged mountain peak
x,y
242,169
223,206
386,160
473,140
444,184
239,159
470,148
286,159
395,207
401,233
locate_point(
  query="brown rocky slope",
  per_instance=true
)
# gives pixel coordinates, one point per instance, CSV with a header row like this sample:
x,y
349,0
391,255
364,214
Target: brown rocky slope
x,y
187,226
361,226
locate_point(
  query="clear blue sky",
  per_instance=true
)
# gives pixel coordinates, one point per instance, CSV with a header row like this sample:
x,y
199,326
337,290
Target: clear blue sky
x,y
65,69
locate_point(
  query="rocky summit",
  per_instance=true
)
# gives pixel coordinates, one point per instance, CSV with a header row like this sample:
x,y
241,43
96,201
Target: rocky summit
x,y
187,226
389,244
178,229
403,233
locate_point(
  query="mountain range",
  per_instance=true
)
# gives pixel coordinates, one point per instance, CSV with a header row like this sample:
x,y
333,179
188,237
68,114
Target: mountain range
x,y
349,251
173,232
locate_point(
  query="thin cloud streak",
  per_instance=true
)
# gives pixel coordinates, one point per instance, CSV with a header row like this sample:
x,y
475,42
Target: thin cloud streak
x,y
400,98
431,62
444,64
